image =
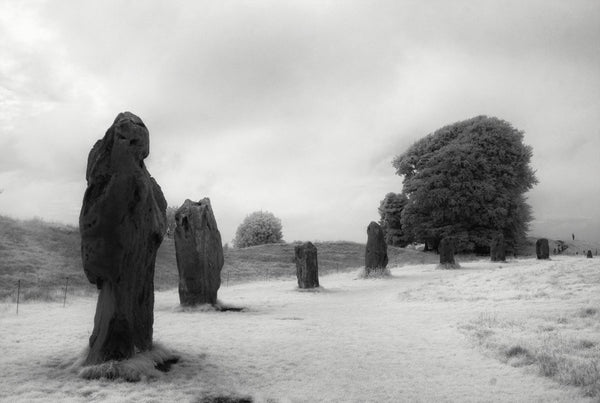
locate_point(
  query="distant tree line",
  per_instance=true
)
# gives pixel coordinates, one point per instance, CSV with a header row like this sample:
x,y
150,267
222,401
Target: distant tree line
x,y
465,181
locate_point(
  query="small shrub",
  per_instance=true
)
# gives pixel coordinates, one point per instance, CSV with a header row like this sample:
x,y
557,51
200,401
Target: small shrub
x,y
258,228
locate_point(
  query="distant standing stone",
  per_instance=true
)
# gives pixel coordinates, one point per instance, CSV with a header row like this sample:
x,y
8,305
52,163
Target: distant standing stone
x,y
542,249
446,249
122,223
307,267
498,248
199,253
376,256
589,254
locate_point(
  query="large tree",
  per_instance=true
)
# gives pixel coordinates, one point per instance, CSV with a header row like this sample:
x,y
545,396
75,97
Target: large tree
x,y
467,181
390,211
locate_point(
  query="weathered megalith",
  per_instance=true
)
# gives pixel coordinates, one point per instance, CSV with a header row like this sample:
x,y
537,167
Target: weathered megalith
x,y
199,253
542,249
122,223
589,254
498,248
446,250
376,256
307,267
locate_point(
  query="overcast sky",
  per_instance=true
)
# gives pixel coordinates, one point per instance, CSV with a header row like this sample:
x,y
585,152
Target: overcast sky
x,y
295,107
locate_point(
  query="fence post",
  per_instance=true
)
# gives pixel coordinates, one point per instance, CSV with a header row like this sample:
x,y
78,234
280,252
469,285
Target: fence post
x,y
66,285
18,295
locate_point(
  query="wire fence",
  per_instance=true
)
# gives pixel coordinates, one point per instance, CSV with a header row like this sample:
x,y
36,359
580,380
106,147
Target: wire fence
x,y
27,290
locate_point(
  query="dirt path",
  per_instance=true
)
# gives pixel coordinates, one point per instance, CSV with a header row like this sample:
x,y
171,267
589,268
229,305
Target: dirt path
x,y
395,340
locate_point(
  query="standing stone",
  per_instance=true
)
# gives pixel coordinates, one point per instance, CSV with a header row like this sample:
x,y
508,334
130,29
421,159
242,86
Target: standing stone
x,y
446,249
122,223
498,248
199,253
542,249
376,256
307,268
589,254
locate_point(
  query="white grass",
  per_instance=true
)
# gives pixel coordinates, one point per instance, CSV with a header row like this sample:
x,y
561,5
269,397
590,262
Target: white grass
x,y
402,339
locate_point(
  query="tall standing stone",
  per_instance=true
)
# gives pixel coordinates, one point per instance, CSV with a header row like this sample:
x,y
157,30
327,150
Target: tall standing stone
x,y
307,267
542,249
199,253
446,250
498,248
122,223
376,256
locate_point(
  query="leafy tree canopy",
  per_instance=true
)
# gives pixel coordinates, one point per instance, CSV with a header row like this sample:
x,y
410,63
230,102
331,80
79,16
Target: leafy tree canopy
x,y
467,180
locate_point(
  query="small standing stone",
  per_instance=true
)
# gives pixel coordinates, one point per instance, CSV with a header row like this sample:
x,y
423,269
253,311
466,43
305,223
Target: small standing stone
x,y
199,253
542,249
446,249
122,223
376,256
498,248
307,268
589,254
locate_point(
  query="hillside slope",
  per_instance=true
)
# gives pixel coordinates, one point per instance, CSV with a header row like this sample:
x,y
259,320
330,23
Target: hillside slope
x,y
42,255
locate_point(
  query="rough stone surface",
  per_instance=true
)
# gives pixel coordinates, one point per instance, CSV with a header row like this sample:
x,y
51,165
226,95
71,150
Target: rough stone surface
x,y
307,268
589,254
498,248
122,223
199,253
542,249
446,249
376,256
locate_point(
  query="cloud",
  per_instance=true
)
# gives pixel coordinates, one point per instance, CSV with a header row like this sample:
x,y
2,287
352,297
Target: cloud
x,y
293,107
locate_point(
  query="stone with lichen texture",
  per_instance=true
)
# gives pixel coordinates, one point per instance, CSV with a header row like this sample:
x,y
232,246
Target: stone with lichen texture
x,y
199,253
498,248
122,223
542,249
376,256
307,267
446,250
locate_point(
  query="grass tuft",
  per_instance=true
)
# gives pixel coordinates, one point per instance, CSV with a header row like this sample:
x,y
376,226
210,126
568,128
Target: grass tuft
x,y
142,366
515,351
448,266
380,272
558,354
587,312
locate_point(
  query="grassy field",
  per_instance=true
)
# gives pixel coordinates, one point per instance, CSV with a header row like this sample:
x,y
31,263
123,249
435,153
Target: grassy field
x,y
525,330
42,255
539,317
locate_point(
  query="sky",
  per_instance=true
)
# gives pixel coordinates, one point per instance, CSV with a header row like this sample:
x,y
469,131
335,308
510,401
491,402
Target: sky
x,y
295,107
